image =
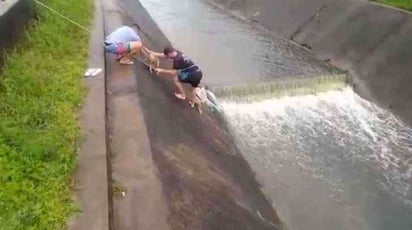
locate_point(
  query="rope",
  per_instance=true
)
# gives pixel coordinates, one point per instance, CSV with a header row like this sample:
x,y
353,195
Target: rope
x,y
86,29
62,16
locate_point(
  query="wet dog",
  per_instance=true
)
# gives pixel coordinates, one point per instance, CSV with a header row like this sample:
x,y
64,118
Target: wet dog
x,y
151,60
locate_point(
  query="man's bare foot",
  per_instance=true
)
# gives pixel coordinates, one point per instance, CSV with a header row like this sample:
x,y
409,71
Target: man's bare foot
x,y
180,96
198,106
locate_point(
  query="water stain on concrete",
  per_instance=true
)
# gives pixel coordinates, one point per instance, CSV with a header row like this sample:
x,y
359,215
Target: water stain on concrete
x,y
200,195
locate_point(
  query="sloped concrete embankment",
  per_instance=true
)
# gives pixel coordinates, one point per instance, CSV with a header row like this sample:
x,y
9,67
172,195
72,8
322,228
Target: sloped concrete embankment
x,y
205,182
370,40
14,15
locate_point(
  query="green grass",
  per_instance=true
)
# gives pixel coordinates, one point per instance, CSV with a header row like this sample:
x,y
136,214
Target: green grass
x,y
41,89
403,4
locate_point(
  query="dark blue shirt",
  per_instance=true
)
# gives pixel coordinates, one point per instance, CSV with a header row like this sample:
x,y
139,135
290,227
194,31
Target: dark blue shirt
x,y
183,63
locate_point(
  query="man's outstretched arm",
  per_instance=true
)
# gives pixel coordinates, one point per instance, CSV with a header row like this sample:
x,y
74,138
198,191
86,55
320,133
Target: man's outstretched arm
x,y
159,55
166,72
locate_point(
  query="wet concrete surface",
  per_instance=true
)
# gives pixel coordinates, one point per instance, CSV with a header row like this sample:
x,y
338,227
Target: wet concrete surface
x,y
138,201
206,182
354,178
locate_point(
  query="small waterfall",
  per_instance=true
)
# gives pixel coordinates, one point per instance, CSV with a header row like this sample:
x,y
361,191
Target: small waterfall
x,y
280,87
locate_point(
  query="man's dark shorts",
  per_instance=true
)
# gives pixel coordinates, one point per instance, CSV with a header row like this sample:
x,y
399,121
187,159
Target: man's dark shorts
x,y
191,77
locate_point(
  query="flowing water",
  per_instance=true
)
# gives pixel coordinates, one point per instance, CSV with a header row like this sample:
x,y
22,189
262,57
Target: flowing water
x,y
227,50
330,161
326,161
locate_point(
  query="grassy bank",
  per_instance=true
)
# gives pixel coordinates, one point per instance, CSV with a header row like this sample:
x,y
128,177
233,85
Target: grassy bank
x,y
403,4
40,93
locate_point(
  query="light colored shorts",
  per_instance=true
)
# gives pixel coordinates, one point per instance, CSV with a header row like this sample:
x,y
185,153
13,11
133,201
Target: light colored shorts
x,y
117,48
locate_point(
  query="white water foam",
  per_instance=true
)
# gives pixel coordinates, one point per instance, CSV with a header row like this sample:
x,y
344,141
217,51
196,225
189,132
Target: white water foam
x,y
322,132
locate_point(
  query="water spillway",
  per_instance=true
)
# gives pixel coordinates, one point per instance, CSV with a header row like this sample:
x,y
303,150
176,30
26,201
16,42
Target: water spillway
x,y
327,160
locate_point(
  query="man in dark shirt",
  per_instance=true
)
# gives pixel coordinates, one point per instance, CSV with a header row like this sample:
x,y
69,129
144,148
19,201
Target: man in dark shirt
x,y
184,71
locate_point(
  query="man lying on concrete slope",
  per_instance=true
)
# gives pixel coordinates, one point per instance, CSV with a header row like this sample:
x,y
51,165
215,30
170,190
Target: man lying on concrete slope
x,y
184,71
125,43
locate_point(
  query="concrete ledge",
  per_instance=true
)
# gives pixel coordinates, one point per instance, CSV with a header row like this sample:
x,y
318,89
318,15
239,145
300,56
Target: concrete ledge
x,y
138,200
14,15
91,173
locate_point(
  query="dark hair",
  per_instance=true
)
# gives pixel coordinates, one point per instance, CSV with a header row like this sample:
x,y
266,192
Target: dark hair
x,y
168,50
